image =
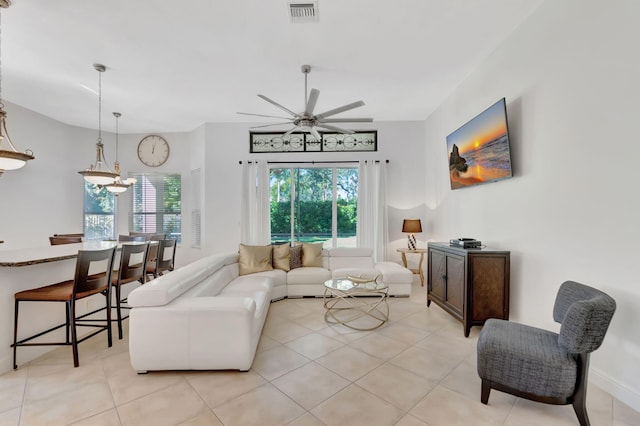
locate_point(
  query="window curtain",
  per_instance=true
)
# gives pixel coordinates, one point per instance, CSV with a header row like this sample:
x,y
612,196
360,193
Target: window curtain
x,y
255,224
372,208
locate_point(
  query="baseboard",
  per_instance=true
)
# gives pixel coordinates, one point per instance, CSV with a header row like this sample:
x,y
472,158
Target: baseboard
x,y
618,390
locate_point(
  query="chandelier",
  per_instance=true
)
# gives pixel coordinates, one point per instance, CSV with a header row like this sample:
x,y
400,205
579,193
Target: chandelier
x,y
10,159
99,173
118,186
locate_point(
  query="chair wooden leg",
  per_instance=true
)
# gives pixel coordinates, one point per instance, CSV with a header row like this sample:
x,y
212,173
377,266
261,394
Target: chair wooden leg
x,y
580,395
486,389
15,336
71,307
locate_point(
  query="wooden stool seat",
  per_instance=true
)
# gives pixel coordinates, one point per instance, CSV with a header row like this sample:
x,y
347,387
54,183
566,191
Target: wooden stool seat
x,y
59,292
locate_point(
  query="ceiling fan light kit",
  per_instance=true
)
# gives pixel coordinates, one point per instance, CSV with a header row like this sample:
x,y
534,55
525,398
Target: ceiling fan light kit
x,y
307,121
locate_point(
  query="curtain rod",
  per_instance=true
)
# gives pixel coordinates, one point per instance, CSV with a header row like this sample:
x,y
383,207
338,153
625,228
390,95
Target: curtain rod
x,y
311,162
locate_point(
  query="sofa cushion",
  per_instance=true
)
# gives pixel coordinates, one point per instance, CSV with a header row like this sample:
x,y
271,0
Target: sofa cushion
x,y
253,259
256,288
295,257
164,289
213,284
354,272
393,273
280,254
278,276
312,254
308,275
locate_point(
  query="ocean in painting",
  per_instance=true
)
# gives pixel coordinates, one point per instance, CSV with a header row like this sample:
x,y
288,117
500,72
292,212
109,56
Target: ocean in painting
x,y
492,155
489,162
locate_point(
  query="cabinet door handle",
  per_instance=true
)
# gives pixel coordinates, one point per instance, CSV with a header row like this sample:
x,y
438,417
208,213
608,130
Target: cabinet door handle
x,y
444,277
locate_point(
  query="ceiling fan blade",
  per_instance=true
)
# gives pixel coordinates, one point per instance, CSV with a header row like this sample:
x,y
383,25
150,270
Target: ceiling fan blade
x,y
272,124
311,102
336,129
262,115
340,109
346,120
315,134
291,131
278,105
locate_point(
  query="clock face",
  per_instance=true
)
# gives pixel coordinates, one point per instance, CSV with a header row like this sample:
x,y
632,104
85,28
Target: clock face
x,y
153,150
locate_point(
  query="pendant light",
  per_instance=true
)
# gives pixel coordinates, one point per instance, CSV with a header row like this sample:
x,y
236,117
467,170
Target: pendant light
x,y
99,173
118,186
10,159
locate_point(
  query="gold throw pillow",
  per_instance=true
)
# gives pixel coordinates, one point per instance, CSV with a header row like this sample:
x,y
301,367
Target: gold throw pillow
x,y
281,257
253,259
312,254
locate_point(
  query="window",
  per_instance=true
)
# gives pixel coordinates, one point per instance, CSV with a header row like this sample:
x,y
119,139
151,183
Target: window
x,y
99,213
156,204
314,204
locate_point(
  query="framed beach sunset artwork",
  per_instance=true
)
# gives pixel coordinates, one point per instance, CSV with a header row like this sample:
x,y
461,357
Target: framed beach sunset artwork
x,y
479,150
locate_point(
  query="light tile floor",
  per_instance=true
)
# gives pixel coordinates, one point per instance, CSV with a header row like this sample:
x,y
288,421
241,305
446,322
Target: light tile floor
x,y
418,369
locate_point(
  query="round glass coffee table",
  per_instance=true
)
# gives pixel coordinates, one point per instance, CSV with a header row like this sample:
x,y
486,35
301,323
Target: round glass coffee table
x,y
360,306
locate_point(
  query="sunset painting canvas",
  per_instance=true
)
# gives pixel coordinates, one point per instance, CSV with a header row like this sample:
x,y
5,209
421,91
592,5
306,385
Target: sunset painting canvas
x,y
479,150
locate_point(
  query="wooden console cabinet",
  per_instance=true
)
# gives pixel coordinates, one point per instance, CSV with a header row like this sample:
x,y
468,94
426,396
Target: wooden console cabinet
x,y
470,284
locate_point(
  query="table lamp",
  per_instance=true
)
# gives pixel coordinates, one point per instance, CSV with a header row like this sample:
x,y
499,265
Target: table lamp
x,y
412,226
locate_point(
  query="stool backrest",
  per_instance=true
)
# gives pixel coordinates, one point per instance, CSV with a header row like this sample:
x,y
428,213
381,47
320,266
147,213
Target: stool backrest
x,y
163,264
138,238
85,282
58,240
132,272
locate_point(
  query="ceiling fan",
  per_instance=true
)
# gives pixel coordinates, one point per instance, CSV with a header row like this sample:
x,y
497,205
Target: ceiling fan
x,y
307,121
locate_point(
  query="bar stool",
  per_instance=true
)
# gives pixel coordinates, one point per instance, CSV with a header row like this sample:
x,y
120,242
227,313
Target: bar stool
x,y
160,264
83,285
128,273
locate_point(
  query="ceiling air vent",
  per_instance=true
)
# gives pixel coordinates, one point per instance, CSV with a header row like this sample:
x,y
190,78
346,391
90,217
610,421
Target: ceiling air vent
x,y
303,12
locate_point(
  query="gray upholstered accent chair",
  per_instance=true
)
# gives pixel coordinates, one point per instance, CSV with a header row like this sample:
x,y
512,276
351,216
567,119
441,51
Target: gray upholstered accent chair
x,y
541,365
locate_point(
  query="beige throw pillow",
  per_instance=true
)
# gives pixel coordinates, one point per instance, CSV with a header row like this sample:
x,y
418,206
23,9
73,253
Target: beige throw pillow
x,y
281,257
312,254
253,259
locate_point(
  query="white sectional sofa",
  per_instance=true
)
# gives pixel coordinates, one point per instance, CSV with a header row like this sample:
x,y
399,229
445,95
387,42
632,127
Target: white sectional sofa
x,y
338,263
204,316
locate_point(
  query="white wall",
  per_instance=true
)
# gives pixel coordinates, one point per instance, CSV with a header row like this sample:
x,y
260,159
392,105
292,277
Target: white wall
x,y
45,196
570,75
228,143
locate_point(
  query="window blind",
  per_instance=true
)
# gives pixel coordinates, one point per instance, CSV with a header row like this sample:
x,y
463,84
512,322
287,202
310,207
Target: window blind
x,y
156,204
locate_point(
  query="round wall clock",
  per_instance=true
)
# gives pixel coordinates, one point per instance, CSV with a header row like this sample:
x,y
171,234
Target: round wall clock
x,y
153,150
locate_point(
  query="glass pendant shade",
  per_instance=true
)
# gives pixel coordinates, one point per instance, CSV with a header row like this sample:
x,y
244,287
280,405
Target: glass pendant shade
x,y
99,173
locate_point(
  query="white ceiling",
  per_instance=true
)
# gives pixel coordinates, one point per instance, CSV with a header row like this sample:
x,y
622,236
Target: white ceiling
x,y
172,66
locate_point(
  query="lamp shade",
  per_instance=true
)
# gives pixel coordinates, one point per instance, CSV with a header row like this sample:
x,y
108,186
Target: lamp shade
x,y
411,226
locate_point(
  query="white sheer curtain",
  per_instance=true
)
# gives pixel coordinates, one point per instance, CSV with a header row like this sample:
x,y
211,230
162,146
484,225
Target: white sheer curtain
x,y
372,207
255,224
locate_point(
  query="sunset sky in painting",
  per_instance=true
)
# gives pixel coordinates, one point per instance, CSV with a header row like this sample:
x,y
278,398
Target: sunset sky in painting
x,y
486,127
